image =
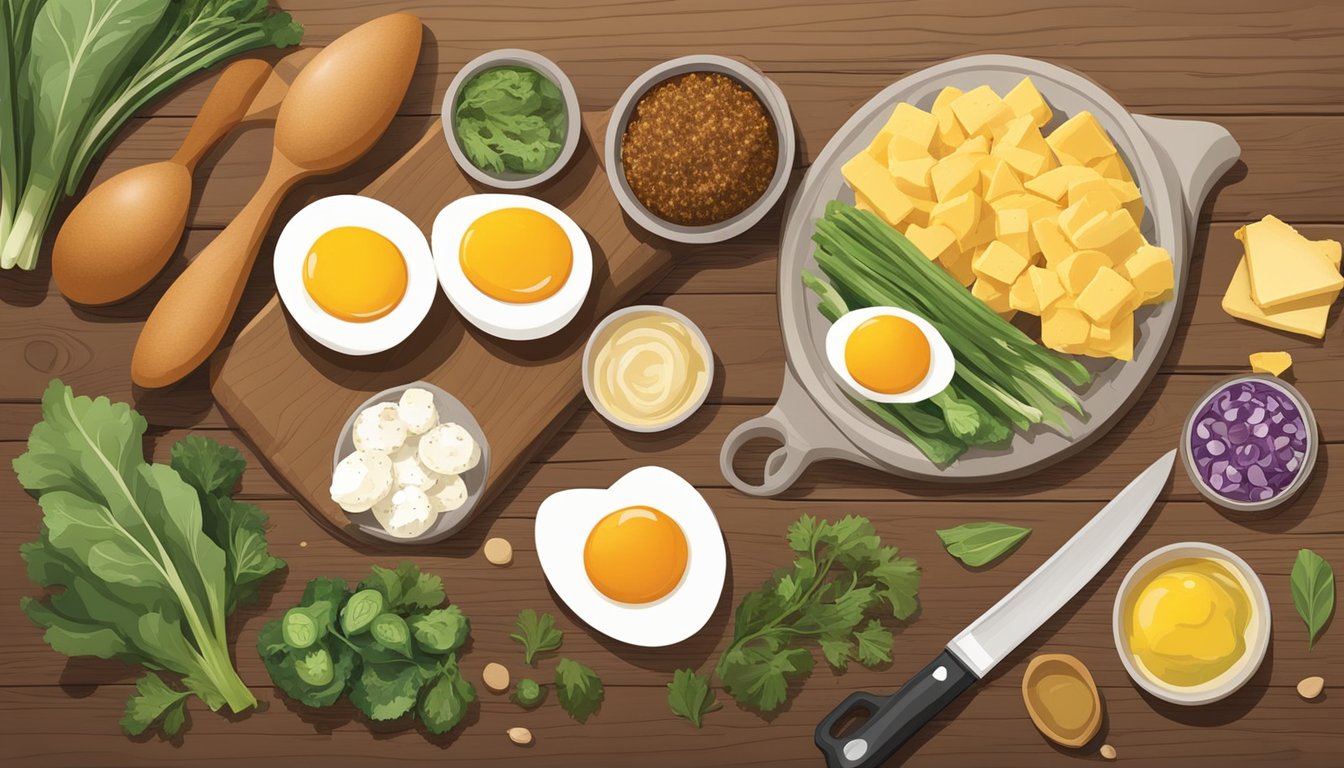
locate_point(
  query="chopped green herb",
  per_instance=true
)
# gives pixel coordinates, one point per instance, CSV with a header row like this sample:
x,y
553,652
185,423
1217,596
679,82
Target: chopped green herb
x,y
977,544
528,693
578,688
510,119
537,633
689,696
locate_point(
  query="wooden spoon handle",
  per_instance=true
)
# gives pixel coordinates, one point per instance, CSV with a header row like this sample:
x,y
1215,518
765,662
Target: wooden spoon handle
x,y
226,105
190,320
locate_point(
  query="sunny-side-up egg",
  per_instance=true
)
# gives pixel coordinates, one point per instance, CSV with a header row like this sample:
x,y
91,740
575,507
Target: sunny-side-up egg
x,y
642,562
889,355
355,273
514,266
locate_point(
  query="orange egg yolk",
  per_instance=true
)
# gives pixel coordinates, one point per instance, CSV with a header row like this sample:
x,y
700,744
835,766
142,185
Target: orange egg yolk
x,y
516,255
355,274
635,555
887,354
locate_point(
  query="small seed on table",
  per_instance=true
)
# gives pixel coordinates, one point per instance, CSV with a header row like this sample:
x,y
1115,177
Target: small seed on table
x,y
498,551
1311,687
520,736
496,677
1107,752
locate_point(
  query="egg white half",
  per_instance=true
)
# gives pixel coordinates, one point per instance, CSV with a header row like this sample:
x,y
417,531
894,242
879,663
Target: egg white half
x,y
564,521
942,364
516,322
322,216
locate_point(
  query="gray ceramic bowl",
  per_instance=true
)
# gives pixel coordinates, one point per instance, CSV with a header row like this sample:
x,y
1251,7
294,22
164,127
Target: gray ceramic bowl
x,y
770,97
450,410
514,57
1308,462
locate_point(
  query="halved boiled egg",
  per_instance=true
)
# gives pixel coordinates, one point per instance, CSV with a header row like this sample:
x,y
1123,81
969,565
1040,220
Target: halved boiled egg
x,y
514,266
642,561
355,273
889,355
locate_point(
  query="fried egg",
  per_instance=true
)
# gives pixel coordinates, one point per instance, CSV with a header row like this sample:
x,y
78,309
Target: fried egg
x,y
355,274
642,562
889,355
514,266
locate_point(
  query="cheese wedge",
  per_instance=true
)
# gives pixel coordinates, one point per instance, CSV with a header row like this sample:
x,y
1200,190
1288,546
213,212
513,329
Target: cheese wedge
x,y
1307,317
1285,267
1273,363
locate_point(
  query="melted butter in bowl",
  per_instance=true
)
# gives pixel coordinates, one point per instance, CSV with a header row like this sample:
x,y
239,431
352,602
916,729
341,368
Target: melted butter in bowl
x,y
647,368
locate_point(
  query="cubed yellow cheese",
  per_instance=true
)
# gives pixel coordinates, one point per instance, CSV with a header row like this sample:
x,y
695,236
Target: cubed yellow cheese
x,y
1151,271
1076,271
976,145
1307,317
950,133
1099,187
1079,214
1054,183
934,242
993,293
922,208
1036,207
980,110
1001,263
1024,161
1022,295
955,175
1105,296
998,179
1120,345
878,148
912,176
1080,140
905,148
1273,363
1022,133
1054,246
1113,167
1285,267
914,124
863,203
1011,226
957,263
1114,234
1064,329
1024,99
960,214
870,178
1046,287
1128,195
1099,333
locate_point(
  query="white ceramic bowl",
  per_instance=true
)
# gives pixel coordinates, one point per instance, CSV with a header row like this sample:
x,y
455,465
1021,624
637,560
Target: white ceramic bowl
x,y
1257,631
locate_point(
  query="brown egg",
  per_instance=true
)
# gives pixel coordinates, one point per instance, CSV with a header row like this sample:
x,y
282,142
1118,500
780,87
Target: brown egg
x,y
1062,699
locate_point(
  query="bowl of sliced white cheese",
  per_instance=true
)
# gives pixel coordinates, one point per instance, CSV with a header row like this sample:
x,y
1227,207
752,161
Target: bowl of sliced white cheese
x,y
410,465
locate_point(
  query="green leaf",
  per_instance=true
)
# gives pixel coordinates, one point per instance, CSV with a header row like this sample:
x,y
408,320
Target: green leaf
x,y
837,651
441,631
386,691
528,693
153,701
898,582
977,544
1313,585
212,468
874,643
578,688
281,661
537,633
759,677
446,700
689,696
802,535
406,589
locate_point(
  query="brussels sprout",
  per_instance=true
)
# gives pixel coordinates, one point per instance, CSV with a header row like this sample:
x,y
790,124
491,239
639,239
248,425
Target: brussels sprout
x,y
360,611
315,668
391,632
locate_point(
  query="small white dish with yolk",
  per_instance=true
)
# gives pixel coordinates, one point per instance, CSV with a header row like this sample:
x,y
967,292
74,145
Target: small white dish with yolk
x,y
355,273
514,266
642,562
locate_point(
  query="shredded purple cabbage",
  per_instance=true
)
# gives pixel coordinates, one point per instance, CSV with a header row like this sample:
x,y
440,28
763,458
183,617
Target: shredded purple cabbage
x,y
1249,441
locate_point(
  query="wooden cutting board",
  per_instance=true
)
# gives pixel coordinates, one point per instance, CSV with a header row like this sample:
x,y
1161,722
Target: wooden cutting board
x,y
290,395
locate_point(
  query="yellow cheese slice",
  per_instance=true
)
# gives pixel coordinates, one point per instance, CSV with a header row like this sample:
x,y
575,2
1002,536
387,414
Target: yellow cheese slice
x,y
1307,317
1285,267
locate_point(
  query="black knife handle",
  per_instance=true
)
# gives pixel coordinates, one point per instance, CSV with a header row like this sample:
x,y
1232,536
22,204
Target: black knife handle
x,y
893,719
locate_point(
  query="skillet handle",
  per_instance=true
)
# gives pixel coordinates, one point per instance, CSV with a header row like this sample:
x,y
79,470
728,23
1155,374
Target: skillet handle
x,y
783,467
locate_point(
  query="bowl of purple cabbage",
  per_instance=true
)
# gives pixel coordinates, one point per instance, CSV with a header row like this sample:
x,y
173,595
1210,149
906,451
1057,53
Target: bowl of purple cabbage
x,y
1250,444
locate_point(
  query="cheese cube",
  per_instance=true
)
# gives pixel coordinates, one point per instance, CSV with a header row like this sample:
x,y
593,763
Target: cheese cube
x,y
1077,271
1024,99
1151,271
1285,266
1054,183
1113,167
979,110
1064,329
1114,234
955,175
877,149
950,133
984,230
1000,263
1026,162
1036,207
976,145
1099,187
905,148
1080,140
869,177
1022,133
922,208
1051,241
1045,286
961,214
1120,345
1307,317
1100,333
1022,295
993,293
912,176
1273,363
912,123
863,203
934,242
1076,216
1010,227
1105,296
1127,192
957,263
998,179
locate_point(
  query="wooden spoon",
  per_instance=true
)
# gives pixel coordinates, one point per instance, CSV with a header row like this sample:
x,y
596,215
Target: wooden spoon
x,y
336,109
124,230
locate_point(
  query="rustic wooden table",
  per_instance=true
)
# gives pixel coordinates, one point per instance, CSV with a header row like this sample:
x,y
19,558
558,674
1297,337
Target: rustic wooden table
x,y
1270,73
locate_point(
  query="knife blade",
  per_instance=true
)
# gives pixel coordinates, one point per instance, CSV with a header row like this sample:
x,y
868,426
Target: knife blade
x,y
892,720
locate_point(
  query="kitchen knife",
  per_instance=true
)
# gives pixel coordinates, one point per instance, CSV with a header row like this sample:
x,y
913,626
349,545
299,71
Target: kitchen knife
x,y
892,720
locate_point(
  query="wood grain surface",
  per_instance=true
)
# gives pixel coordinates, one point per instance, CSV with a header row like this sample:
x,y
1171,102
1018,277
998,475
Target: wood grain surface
x,y
1270,73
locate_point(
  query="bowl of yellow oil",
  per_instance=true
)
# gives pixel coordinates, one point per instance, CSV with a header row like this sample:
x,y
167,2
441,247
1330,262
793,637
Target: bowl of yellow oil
x,y
1191,623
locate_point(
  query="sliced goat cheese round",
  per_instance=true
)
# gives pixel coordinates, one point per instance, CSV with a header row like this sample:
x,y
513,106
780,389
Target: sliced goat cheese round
x,y
448,494
407,471
417,411
377,428
406,513
361,480
449,450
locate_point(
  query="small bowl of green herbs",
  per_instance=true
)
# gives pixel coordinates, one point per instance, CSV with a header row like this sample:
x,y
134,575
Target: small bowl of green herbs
x,y
511,118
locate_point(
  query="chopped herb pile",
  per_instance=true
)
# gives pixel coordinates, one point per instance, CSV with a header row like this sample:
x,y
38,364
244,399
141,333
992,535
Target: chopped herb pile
x,y
510,119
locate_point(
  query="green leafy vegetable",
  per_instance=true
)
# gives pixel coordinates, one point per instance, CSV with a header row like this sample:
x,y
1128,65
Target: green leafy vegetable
x,y
76,70
528,693
977,544
1313,585
510,119
393,651
841,575
578,688
140,574
689,697
537,633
